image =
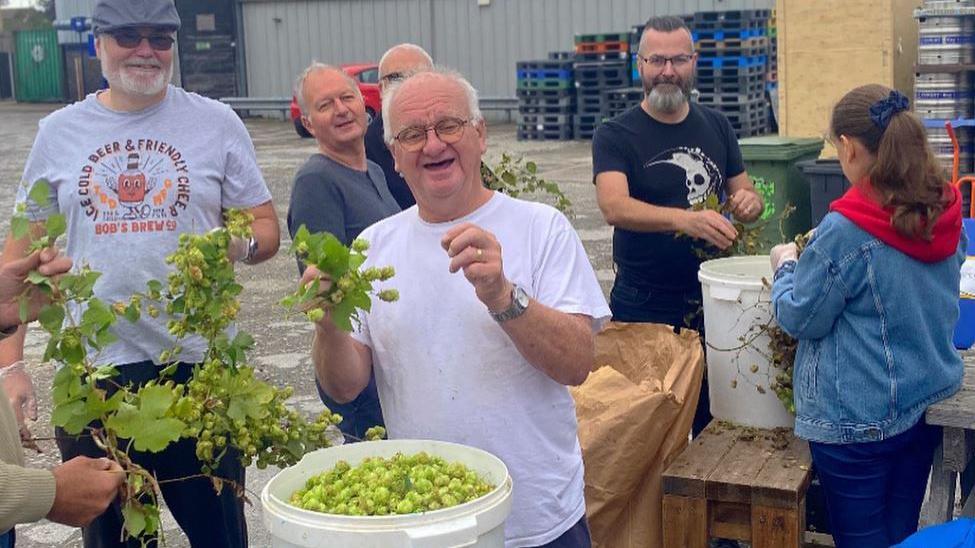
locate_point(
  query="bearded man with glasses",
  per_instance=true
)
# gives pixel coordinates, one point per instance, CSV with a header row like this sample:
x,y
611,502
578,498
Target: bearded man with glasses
x,y
650,165
131,168
497,313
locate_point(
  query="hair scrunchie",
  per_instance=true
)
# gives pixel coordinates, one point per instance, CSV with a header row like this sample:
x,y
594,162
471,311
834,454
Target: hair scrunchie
x,y
883,110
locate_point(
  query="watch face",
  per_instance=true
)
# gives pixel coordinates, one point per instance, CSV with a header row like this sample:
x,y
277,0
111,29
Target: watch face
x,y
519,302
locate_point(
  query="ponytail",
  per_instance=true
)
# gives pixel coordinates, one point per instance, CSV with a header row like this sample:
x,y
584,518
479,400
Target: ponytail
x,y
906,176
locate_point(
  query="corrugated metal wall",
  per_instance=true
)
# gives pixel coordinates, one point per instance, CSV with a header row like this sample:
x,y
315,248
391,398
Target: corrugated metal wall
x,y
65,10
483,42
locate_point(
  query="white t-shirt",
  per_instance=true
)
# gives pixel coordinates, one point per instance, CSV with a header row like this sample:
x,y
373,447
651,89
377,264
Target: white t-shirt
x,y
445,369
129,183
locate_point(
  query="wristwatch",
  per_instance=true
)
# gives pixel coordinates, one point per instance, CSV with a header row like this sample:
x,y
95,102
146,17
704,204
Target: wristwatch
x,y
519,303
251,250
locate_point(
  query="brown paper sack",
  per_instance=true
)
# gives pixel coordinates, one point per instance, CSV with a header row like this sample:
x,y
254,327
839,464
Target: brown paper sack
x,y
635,412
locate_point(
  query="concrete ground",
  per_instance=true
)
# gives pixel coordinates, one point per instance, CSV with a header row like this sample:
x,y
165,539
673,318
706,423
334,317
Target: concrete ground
x,y
282,346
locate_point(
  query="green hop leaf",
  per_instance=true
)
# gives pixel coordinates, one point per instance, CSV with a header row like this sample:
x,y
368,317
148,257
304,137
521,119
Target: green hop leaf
x,y
40,193
146,424
56,226
19,226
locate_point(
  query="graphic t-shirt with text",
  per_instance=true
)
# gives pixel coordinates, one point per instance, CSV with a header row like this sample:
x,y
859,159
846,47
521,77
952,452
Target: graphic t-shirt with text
x,y
130,183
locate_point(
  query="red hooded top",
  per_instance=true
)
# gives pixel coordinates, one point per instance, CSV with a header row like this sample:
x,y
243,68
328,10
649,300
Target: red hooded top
x,y
876,220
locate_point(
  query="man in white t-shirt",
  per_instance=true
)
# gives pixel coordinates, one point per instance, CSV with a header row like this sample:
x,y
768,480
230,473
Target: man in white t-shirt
x,y
131,168
497,313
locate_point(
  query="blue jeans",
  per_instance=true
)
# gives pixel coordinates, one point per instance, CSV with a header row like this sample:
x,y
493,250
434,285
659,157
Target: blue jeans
x,y
576,537
358,415
874,490
7,539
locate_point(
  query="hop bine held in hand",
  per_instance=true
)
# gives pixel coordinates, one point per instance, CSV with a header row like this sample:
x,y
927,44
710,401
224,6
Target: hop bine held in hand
x,y
224,407
351,285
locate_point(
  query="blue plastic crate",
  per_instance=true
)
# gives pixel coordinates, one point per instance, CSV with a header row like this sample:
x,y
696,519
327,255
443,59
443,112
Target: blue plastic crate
x,y
964,336
540,74
722,34
940,123
717,62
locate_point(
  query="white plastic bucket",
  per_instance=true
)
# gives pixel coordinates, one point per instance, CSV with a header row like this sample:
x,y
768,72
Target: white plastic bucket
x,y
736,301
477,523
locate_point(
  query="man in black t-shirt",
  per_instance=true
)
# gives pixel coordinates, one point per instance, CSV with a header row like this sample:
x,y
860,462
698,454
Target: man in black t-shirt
x,y
650,165
399,62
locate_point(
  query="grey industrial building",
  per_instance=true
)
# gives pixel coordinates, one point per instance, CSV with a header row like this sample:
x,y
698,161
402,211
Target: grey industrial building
x,y
255,48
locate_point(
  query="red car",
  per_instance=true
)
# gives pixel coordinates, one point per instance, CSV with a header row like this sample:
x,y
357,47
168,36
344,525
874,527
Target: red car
x,y
367,76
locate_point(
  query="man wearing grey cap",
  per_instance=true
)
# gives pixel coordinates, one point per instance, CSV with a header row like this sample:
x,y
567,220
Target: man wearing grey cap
x,y
131,168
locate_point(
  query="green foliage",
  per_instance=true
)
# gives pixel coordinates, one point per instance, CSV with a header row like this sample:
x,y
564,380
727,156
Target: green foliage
x,y
345,288
751,237
148,422
515,176
782,350
766,189
222,406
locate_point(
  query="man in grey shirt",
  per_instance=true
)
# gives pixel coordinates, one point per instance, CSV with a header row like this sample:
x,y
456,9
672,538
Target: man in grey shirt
x,y
339,191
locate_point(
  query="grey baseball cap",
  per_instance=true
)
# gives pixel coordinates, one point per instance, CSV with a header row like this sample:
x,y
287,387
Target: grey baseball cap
x,y
110,15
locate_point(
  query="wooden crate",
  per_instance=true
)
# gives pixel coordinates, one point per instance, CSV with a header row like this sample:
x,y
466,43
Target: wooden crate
x,y
735,483
828,47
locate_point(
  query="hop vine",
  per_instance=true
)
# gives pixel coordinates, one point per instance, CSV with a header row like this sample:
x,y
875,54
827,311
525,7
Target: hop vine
x,y
224,406
348,288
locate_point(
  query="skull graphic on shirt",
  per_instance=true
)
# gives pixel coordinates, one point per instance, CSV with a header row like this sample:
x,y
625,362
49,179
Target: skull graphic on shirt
x,y
701,175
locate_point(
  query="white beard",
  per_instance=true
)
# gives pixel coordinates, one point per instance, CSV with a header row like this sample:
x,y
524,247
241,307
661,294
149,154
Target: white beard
x,y
121,79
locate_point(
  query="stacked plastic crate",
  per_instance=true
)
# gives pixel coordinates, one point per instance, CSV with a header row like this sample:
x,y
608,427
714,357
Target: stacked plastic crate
x,y
602,62
617,101
733,52
772,76
546,98
943,86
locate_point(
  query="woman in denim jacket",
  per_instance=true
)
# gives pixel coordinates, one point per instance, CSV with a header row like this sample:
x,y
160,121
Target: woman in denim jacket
x,y
873,302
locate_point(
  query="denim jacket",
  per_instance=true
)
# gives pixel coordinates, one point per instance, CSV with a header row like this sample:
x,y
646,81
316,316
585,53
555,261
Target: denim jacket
x,y
875,333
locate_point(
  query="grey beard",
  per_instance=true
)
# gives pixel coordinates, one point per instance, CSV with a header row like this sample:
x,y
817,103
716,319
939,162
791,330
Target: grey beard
x,y
117,79
668,102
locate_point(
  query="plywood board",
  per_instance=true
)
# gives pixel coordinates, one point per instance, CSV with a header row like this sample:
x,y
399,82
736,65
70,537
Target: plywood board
x,y
809,97
828,47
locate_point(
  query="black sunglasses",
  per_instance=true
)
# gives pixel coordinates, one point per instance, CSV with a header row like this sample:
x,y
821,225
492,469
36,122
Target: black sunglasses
x,y
130,39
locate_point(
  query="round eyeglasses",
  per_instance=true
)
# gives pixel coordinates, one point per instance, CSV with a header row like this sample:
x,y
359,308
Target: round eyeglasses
x,y
448,130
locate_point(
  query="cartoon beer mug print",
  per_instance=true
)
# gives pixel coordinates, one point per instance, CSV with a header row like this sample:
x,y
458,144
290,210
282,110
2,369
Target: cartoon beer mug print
x,y
134,186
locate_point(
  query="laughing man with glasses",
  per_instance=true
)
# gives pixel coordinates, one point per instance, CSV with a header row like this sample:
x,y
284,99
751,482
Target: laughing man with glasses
x,y
498,306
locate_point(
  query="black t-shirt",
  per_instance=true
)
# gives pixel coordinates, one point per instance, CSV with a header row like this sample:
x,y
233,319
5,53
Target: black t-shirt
x,y
377,151
670,165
